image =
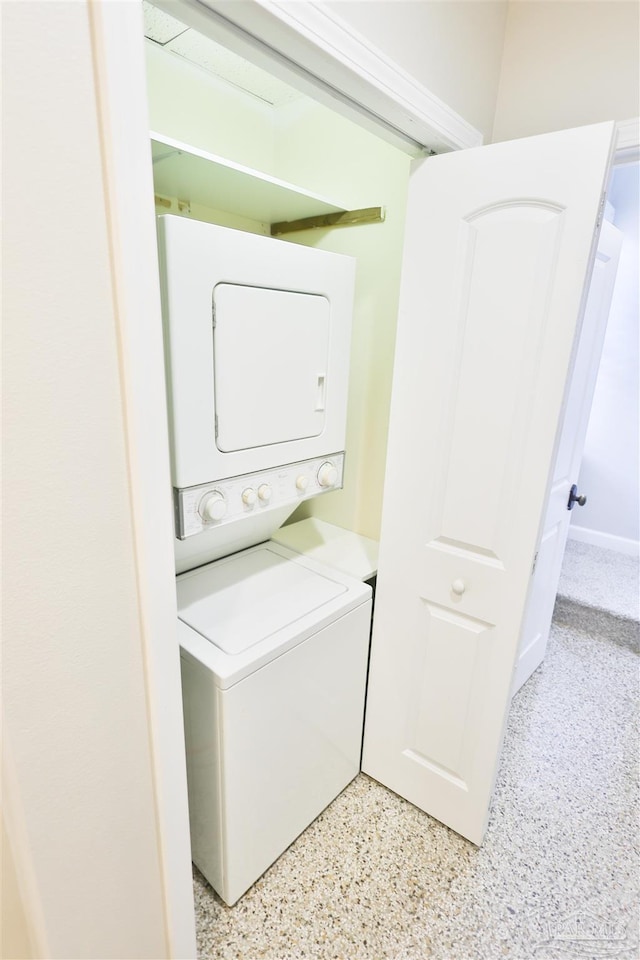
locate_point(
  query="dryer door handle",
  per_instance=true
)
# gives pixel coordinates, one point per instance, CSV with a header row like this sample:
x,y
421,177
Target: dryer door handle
x,y
320,391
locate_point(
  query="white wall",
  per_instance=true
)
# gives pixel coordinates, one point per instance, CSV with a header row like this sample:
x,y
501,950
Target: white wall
x,y
74,695
609,474
453,48
567,63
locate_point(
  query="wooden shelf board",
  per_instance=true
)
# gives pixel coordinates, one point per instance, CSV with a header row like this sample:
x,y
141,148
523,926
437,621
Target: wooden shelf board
x,y
183,171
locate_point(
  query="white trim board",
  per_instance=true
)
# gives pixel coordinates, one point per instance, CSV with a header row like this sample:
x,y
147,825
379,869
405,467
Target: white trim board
x,y
318,53
607,541
122,115
627,150
627,141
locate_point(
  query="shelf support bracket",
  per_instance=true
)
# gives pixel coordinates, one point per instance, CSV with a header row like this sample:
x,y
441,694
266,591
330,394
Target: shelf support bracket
x,y
341,219
159,157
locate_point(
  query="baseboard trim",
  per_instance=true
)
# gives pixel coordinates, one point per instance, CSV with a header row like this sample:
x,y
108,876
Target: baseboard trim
x,y
608,541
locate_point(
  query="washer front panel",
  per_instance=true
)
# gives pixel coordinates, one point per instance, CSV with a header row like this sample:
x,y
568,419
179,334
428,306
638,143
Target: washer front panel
x,y
266,756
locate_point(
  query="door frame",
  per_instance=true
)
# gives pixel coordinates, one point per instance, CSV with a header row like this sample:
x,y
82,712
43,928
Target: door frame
x,y
626,150
627,141
122,114
314,50
357,73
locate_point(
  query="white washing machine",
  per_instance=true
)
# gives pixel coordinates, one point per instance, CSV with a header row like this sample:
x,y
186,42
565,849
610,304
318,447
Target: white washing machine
x,y
274,651
274,646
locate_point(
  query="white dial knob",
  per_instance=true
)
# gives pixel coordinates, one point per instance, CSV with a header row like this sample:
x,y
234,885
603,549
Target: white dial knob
x,y
248,497
213,507
264,492
327,474
302,483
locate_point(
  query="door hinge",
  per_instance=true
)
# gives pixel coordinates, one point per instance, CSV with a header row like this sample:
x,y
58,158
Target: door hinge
x,y
603,201
213,316
533,568
215,425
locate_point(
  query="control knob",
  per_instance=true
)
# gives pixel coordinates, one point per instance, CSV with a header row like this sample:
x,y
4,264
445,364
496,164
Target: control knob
x,y
248,497
213,506
302,483
264,492
327,474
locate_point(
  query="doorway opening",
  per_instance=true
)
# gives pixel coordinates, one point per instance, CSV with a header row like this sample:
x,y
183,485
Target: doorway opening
x,y
352,505
599,582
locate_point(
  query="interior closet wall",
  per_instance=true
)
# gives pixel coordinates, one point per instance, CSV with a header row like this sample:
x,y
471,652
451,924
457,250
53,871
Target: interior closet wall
x,y
335,157
308,145
192,106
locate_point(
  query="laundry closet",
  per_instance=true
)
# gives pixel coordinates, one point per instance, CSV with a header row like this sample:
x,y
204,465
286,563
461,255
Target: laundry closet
x,y
492,250
258,341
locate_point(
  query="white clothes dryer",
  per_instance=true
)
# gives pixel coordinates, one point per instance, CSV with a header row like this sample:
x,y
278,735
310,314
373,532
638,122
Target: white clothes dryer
x,y
257,345
274,651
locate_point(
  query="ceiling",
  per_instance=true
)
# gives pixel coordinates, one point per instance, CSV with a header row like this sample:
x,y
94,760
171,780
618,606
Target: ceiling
x,y
215,59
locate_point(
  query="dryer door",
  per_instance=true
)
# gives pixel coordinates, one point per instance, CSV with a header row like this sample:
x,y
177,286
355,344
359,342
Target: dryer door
x,y
270,361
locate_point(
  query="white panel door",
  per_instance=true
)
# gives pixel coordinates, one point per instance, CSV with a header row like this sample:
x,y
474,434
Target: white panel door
x,y
555,528
499,243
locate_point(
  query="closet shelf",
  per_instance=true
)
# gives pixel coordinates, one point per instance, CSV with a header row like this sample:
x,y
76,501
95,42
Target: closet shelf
x,y
183,171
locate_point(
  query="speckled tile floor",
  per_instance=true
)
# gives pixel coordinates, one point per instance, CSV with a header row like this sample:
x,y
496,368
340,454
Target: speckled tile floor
x,y
373,877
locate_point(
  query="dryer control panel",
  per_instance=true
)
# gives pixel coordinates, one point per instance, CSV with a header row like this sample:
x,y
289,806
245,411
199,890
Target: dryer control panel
x,y
211,505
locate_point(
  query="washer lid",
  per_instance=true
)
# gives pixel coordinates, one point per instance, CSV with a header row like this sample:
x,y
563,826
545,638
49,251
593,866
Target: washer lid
x,y
238,602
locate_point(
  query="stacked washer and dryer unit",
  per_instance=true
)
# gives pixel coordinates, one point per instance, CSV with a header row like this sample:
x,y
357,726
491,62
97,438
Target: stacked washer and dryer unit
x,y
274,646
